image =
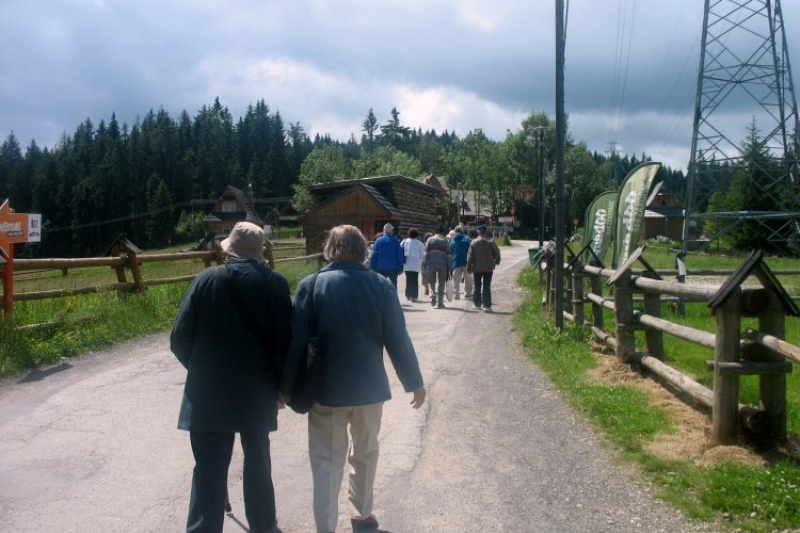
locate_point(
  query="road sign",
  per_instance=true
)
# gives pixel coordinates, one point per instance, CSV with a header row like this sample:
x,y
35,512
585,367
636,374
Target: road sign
x,y
18,227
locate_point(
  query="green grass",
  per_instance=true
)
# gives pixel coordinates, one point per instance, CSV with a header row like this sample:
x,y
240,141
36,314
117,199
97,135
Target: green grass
x,y
744,498
74,325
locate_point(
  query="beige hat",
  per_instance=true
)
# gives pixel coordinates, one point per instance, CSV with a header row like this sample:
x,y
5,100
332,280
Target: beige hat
x,y
246,241
388,227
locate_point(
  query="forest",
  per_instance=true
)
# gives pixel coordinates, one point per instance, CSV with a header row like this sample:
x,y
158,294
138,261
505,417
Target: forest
x,y
149,180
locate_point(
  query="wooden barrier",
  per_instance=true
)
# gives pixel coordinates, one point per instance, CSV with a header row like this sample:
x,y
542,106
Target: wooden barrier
x,y
123,256
762,352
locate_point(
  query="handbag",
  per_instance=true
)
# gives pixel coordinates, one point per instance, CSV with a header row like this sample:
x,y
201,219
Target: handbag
x,y
448,289
309,378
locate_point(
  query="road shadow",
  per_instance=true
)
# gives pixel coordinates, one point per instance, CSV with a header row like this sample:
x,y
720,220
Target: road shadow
x,y
41,375
238,522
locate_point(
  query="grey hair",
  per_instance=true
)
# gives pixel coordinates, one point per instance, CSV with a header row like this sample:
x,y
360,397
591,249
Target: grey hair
x,y
345,243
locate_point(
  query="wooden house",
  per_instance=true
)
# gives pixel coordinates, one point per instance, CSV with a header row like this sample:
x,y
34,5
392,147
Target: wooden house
x,y
663,216
232,207
368,204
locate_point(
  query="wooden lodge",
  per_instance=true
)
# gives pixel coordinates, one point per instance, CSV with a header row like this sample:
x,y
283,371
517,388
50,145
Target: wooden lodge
x,y
232,207
368,204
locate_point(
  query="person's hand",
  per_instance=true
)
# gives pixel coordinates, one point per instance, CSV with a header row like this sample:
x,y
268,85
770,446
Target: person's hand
x,y
282,398
419,398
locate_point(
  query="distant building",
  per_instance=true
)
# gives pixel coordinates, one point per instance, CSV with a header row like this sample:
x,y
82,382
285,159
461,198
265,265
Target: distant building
x,y
232,207
368,204
663,217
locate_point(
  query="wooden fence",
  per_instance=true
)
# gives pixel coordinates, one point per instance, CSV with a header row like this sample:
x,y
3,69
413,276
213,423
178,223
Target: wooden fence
x,y
126,259
762,352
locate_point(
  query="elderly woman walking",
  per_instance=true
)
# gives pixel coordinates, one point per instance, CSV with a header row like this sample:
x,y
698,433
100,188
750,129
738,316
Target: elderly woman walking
x,y
355,315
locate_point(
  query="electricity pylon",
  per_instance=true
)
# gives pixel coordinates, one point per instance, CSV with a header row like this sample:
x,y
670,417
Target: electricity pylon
x,y
744,69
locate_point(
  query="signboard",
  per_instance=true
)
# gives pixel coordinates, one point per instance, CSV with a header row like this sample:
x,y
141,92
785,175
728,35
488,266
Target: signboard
x,y
631,203
598,227
18,227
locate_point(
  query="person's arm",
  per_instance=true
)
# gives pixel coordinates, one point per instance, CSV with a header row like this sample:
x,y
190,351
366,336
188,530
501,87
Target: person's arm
x,y
181,338
301,334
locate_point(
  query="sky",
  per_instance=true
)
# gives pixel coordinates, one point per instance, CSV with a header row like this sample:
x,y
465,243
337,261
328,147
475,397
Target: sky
x,y
630,82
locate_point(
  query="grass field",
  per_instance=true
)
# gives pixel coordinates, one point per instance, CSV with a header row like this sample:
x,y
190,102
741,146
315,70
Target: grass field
x,y
740,488
44,332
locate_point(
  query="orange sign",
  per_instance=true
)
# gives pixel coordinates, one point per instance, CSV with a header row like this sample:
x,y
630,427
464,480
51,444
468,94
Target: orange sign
x,y
18,227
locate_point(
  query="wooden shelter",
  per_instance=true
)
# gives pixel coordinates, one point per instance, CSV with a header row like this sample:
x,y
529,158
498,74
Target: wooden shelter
x,y
368,204
232,207
663,216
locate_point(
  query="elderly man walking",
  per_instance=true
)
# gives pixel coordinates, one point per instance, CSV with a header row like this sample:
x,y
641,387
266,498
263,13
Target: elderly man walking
x,y
483,256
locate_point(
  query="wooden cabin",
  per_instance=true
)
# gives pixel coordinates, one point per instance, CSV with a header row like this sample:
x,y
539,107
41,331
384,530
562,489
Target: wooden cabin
x,y
368,204
232,207
663,216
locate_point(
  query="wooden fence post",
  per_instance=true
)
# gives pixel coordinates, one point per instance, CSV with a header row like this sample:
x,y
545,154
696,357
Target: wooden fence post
x,y
577,292
597,309
652,307
623,315
725,412
681,278
772,387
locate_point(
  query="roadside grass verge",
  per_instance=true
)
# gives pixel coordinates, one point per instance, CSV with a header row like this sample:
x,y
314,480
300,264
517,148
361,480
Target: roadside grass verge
x,y
73,325
755,497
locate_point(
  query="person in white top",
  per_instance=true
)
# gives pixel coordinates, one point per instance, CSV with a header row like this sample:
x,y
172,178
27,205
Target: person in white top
x,y
413,251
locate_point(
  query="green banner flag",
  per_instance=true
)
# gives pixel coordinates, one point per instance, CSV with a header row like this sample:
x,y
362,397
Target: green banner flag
x,y
598,225
630,210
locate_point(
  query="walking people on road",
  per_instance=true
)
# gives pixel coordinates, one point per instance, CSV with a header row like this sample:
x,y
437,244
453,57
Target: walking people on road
x,y
387,257
424,269
483,256
438,262
357,316
231,333
413,251
459,246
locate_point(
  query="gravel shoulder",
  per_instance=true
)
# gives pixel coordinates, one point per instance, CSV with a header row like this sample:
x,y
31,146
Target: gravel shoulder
x,y
91,445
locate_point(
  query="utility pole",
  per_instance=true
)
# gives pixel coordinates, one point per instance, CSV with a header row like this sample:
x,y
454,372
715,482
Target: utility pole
x,y
558,277
540,131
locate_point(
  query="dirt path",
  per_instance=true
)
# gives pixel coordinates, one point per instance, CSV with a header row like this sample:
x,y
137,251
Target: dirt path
x,y
91,446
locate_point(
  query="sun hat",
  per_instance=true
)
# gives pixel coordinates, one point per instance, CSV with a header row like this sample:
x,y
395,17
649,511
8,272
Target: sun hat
x,y
388,227
246,241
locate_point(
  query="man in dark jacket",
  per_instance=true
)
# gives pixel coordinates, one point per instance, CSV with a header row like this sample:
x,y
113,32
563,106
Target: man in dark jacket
x,y
231,333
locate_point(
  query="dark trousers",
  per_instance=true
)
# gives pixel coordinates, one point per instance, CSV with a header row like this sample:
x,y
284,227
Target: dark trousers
x,y
482,293
391,274
212,455
412,285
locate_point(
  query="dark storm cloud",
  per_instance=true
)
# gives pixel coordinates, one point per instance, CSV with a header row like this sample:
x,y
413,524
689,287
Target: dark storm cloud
x,y
631,66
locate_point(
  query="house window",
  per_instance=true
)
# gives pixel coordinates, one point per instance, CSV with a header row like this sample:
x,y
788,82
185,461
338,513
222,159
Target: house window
x,y
228,207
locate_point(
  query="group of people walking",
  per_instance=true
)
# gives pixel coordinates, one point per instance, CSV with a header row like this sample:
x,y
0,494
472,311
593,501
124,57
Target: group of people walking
x,y
436,258
243,342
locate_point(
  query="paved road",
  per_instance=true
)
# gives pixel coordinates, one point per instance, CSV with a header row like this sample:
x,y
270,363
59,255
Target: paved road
x,y
90,445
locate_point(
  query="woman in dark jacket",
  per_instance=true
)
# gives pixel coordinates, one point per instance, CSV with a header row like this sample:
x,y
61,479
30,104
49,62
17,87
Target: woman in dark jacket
x,y
356,314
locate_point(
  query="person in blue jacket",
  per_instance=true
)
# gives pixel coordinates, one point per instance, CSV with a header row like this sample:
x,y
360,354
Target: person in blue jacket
x,y
356,315
387,255
459,246
231,333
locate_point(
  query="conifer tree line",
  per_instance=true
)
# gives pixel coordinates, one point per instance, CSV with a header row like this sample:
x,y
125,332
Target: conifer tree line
x,y
148,180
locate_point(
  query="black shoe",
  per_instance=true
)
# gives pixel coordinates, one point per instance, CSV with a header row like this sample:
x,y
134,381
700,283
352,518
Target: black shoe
x,y
364,525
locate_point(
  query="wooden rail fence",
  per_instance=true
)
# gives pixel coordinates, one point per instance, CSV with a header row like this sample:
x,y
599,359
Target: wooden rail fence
x,y
762,352
124,257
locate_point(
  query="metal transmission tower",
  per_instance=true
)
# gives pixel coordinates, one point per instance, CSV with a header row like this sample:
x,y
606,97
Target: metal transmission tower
x,y
744,70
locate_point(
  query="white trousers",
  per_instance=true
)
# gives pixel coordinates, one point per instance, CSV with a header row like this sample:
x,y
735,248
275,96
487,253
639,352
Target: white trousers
x,y
458,273
328,447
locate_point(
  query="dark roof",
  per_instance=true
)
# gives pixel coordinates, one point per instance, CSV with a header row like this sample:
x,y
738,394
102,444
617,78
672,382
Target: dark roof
x,y
371,181
371,191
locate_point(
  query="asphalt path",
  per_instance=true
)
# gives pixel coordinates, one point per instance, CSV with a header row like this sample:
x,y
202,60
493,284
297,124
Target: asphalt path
x,y
91,445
